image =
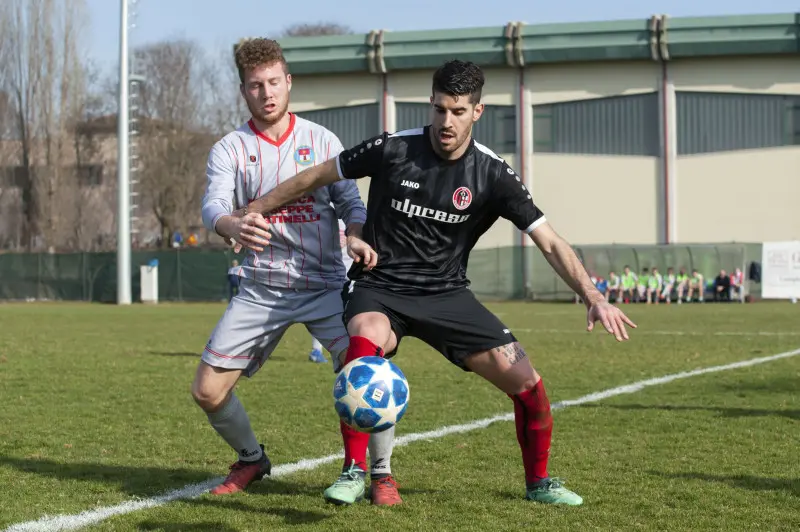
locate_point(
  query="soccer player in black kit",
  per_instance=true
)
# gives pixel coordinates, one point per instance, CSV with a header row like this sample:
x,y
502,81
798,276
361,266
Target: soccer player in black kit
x,y
433,192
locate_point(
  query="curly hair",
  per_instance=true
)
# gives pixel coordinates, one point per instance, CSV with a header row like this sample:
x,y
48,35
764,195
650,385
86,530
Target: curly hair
x,y
459,78
251,53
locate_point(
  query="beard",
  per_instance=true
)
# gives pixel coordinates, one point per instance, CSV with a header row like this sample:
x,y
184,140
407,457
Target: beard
x,y
270,117
451,142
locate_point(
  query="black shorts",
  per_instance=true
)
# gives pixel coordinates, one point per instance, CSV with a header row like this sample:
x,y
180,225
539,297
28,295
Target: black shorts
x,y
454,323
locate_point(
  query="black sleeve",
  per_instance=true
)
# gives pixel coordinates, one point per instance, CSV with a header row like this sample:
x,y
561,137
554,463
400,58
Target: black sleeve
x,y
365,159
513,200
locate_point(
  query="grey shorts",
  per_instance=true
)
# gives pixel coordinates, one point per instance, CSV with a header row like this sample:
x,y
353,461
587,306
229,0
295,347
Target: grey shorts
x,y
258,316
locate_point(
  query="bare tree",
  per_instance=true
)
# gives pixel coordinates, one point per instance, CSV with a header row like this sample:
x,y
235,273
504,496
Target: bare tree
x,y
315,29
42,73
225,106
92,198
10,213
176,136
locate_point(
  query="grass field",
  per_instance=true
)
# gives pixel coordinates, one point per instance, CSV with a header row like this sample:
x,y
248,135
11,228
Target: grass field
x,y
96,412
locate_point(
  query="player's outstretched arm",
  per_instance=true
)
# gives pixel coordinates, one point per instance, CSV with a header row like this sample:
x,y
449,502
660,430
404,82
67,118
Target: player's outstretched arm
x,y
221,170
292,189
565,262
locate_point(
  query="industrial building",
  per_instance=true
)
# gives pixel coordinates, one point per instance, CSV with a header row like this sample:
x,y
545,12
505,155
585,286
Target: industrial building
x,y
654,131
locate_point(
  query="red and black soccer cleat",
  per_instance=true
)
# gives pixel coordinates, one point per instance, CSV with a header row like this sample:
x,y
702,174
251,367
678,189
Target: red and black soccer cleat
x,y
243,474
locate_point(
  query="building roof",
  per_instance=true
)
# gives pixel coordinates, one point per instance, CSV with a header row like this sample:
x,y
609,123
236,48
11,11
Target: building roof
x,y
518,44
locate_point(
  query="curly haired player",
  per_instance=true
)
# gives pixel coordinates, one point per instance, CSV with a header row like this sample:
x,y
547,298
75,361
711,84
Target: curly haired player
x,y
292,275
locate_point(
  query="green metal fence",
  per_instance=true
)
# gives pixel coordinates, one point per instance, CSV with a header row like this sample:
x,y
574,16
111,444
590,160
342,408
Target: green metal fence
x,y
200,274
708,259
183,275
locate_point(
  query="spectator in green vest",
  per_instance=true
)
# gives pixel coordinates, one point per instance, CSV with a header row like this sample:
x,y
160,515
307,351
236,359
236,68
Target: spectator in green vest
x,y
641,285
697,284
654,284
669,285
629,279
682,279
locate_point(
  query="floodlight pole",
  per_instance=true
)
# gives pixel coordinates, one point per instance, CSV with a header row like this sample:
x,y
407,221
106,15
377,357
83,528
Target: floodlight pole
x,y
123,165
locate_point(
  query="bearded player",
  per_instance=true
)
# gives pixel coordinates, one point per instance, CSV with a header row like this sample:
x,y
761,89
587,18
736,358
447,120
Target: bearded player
x,y
293,272
416,284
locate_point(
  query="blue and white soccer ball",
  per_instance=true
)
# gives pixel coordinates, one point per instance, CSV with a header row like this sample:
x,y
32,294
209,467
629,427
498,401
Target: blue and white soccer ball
x,y
371,394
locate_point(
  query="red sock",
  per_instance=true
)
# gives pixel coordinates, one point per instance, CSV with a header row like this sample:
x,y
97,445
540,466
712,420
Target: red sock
x,y
534,429
361,347
355,446
356,442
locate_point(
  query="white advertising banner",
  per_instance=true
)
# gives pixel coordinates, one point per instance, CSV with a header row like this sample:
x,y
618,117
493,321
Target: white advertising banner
x,y
780,270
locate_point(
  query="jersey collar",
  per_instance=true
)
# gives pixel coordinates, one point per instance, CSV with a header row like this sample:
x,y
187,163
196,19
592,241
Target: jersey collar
x,y
254,129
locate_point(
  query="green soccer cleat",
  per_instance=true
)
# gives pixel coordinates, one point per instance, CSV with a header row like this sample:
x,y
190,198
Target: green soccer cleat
x,y
552,491
348,488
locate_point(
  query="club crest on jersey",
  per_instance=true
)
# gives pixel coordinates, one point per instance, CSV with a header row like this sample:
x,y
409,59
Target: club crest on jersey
x,y
462,198
304,155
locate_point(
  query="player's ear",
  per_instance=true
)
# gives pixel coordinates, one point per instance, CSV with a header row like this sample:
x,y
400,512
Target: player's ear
x,y
477,112
289,82
241,90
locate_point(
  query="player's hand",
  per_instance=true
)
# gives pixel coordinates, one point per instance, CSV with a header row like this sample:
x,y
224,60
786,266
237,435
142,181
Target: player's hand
x,y
361,252
612,318
250,231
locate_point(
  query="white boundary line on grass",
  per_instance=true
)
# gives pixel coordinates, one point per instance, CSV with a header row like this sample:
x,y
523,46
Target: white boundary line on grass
x,y
667,332
89,517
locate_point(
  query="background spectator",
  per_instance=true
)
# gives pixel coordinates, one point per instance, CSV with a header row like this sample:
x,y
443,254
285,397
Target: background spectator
x,y
626,293
696,284
654,285
737,284
641,285
722,287
614,287
669,285
233,279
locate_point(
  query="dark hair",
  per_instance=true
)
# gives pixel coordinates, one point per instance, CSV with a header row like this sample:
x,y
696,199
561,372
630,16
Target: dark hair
x,y
459,78
254,52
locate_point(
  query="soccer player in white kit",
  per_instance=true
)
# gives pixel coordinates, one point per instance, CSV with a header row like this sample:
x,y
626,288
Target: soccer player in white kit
x,y
316,355
293,271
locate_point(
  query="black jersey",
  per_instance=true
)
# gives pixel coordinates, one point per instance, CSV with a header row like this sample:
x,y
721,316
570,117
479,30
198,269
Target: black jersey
x,y
425,214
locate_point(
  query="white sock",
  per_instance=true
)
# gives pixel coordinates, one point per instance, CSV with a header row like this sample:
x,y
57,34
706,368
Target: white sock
x,y
380,452
231,422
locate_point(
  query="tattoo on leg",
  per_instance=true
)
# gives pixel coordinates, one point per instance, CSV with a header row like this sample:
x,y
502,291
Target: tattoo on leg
x,y
513,352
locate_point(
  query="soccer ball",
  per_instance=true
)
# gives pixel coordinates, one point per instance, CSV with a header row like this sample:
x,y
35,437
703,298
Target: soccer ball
x,y
371,394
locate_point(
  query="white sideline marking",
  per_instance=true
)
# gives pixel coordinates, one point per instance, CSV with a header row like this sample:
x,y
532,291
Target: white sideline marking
x,y
89,517
668,333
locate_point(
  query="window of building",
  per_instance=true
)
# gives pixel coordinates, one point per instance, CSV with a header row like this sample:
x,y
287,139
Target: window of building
x,y
711,122
618,125
351,124
90,175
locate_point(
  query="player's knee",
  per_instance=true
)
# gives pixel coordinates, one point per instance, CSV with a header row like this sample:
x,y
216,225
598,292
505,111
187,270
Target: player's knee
x,y
527,383
373,326
208,396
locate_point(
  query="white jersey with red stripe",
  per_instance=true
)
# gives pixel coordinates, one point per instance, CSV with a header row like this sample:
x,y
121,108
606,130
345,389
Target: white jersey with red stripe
x,y
305,249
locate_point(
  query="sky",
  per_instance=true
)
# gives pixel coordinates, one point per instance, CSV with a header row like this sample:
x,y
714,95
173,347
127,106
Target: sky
x,y
217,24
